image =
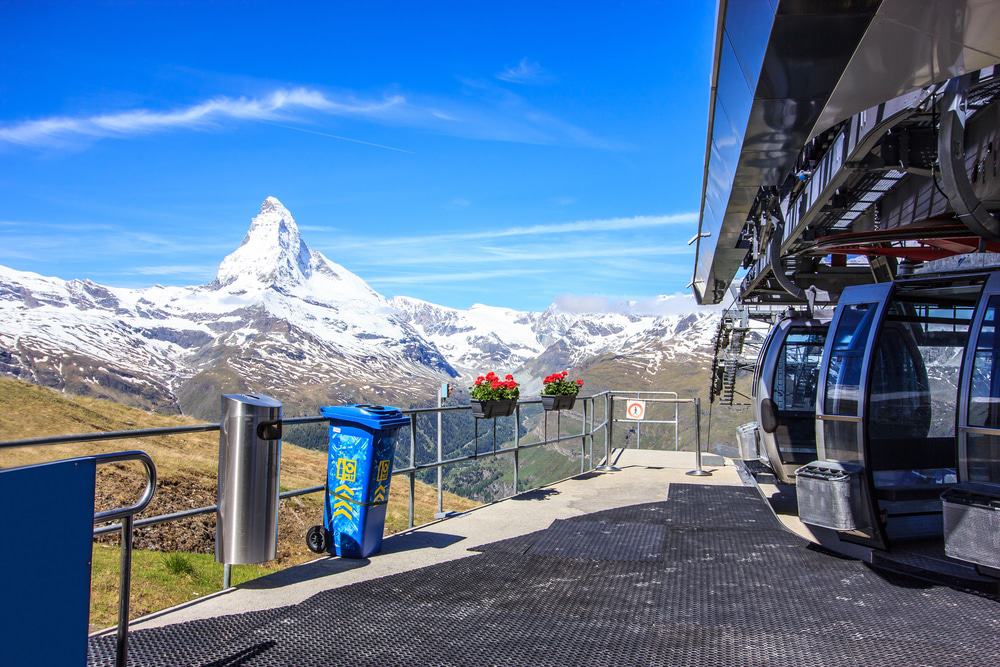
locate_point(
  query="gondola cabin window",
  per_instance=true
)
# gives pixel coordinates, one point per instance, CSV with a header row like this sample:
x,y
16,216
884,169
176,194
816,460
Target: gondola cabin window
x,y
843,378
797,372
983,449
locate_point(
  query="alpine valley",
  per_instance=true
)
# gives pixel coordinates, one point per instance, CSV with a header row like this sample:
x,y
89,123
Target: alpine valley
x,y
283,319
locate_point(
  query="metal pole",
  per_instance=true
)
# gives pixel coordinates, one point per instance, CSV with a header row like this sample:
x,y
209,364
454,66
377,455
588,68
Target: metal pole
x,y
124,588
413,463
677,429
593,409
517,444
698,470
583,440
638,428
227,576
440,457
609,412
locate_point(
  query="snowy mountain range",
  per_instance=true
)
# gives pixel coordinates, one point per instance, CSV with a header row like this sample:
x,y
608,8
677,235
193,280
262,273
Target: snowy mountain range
x,y
285,319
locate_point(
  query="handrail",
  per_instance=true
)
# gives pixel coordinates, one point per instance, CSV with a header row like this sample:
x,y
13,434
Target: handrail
x,y
147,495
126,514
97,436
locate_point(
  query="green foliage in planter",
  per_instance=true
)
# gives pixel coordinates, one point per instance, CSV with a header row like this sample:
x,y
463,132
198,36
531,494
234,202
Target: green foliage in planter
x,y
490,387
557,384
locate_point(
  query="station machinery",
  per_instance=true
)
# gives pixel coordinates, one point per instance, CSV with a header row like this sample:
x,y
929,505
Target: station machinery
x,y
851,198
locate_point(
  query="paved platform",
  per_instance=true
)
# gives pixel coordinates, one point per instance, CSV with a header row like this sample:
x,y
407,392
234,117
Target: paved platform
x,y
639,567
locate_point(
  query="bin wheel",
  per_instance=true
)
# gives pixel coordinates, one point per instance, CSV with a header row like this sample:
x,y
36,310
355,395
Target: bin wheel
x,y
317,539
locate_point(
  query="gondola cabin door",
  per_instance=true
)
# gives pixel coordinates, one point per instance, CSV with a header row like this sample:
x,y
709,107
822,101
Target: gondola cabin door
x,y
840,404
979,411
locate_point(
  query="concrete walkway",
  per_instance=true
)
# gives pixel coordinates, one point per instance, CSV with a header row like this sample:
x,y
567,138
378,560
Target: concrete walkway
x,y
644,477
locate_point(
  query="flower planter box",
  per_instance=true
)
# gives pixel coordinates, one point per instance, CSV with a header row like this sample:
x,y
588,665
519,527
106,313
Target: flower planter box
x,y
559,402
493,409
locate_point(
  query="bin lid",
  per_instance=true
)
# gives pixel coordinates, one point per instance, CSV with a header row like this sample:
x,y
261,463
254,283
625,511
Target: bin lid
x,y
259,400
976,494
831,470
371,416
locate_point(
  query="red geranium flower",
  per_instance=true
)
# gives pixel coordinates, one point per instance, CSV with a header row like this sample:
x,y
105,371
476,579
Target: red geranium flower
x,y
579,383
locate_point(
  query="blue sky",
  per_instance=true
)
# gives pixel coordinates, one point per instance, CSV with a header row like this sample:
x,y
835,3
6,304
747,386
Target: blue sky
x,y
460,152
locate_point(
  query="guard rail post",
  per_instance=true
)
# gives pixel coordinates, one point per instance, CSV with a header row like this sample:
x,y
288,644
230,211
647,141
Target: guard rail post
x,y
609,413
413,466
517,444
698,471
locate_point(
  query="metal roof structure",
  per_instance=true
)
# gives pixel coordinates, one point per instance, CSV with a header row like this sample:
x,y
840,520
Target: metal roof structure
x,y
788,74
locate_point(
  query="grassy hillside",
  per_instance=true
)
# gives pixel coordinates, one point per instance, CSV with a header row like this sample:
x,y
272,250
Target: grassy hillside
x,y
173,562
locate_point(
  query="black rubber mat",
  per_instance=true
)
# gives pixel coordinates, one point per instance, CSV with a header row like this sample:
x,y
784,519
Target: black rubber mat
x,y
601,540
642,585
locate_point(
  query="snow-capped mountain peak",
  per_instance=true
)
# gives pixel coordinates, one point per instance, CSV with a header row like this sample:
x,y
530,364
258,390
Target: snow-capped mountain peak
x,y
285,319
272,252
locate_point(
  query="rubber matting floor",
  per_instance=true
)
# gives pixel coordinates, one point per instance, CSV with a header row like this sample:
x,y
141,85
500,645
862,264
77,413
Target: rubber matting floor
x,y
707,577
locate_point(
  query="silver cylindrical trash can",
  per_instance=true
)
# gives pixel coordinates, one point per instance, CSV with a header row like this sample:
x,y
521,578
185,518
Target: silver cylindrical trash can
x,y
246,528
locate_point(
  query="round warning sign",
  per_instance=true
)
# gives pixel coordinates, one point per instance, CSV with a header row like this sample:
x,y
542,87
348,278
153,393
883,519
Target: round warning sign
x,y
635,409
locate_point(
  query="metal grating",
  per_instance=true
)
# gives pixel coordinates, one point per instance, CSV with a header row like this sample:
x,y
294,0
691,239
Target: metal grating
x,y
742,592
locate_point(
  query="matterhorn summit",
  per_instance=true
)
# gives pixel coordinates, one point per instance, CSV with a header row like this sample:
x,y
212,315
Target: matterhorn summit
x,y
272,253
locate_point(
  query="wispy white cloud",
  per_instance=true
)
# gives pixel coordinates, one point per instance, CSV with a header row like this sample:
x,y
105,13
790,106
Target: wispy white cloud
x,y
446,277
519,231
319,229
678,303
640,254
525,71
195,271
478,254
482,112
340,137
143,121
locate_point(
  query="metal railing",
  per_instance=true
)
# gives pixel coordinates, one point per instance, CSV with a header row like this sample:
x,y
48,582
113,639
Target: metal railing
x,y
588,411
655,397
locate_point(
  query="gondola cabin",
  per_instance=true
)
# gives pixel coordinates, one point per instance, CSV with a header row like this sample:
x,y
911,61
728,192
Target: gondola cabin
x,y
784,393
908,409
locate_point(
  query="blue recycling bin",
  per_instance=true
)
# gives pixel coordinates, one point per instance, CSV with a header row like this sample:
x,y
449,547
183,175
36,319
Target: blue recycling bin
x,y
359,469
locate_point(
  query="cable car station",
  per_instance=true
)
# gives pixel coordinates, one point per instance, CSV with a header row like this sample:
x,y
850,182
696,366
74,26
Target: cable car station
x,y
850,205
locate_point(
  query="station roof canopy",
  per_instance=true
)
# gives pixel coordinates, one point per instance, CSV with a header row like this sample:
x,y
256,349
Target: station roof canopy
x,y
786,70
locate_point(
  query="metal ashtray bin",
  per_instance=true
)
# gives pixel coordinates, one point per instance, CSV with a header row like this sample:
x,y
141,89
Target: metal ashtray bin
x,y
972,523
246,528
830,494
747,438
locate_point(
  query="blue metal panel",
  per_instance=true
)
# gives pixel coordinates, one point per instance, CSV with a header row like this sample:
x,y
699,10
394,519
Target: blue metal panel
x,y
47,525
748,26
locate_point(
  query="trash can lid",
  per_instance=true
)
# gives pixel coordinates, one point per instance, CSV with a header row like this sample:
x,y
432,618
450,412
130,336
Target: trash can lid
x,y
977,494
372,416
260,400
